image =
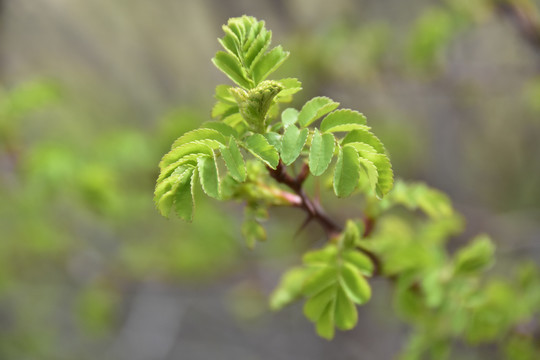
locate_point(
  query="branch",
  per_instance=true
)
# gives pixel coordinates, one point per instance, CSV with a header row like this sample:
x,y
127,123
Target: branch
x,y
525,18
313,209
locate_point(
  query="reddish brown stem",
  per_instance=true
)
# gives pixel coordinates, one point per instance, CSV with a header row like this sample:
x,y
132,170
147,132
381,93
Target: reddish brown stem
x,y
313,209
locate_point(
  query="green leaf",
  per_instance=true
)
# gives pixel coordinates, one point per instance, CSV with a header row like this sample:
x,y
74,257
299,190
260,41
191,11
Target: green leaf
x,y
475,257
345,316
314,109
220,127
183,202
165,192
199,134
259,146
385,175
222,94
321,152
289,116
347,172
326,255
234,161
364,136
343,120
258,47
292,144
385,179
357,259
369,171
208,173
289,288
350,236
290,87
274,139
325,324
320,280
253,231
315,306
230,65
268,63
197,147
354,284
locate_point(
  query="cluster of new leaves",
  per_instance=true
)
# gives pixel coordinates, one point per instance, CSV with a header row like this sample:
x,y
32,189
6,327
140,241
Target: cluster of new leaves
x,y
246,125
333,280
250,144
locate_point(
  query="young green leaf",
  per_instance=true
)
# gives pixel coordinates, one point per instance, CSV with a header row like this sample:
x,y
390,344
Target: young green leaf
x,y
208,173
364,136
321,257
292,144
475,257
314,109
354,284
345,316
343,120
259,146
220,127
368,155
325,324
253,231
203,147
289,116
315,305
347,172
165,192
358,260
258,46
234,161
290,87
183,202
289,288
321,152
268,63
320,280
274,139
199,134
231,66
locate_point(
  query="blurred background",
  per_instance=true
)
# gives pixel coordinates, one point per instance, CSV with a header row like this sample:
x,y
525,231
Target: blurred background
x,y
92,94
